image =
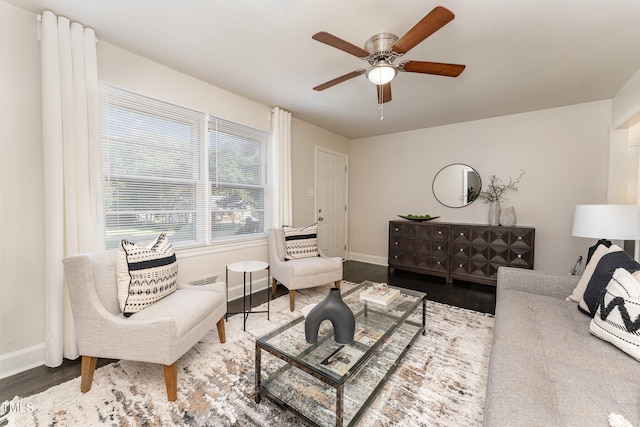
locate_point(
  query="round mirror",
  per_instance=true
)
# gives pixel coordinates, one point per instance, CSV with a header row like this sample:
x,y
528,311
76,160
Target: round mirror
x,y
457,185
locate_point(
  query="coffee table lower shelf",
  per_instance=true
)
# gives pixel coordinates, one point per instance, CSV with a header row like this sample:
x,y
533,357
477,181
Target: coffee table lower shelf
x,y
323,402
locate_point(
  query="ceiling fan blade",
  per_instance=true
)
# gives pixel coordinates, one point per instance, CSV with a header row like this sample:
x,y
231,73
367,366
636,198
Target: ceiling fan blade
x,y
437,68
338,43
384,93
337,80
428,25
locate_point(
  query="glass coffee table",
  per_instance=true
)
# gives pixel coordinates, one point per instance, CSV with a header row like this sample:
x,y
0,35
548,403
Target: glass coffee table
x,y
327,383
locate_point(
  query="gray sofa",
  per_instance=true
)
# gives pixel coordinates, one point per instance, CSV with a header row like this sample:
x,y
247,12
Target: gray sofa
x,y
546,369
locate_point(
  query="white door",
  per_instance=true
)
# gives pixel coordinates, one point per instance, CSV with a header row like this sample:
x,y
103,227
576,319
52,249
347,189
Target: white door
x,y
331,202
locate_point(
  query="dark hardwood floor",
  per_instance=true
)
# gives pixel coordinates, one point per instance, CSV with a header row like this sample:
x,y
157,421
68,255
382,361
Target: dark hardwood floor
x,y
467,295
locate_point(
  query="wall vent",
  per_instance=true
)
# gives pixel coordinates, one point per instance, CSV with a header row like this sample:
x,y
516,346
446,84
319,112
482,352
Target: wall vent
x,y
204,280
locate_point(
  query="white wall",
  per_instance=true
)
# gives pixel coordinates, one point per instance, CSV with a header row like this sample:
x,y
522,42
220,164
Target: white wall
x,y
305,137
626,104
21,193
133,72
563,150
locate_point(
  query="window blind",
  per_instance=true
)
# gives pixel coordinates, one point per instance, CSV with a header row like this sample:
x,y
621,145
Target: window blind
x,y
237,179
154,173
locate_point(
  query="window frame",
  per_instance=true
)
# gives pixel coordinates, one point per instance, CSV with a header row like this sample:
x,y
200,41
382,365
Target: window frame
x,y
204,208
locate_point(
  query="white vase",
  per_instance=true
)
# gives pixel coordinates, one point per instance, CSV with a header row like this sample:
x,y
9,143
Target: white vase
x,y
494,213
508,217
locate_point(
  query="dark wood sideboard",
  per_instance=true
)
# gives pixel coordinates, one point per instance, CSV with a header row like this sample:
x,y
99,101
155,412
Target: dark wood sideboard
x,y
469,252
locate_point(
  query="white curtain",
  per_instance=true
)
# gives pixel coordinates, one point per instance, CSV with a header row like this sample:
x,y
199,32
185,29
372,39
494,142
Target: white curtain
x,y
282,203
71,148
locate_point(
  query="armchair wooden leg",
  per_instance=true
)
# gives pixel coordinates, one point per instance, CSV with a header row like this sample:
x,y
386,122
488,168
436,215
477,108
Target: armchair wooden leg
x,y
338,284
221,334
87,368
171,380
274,285
292,299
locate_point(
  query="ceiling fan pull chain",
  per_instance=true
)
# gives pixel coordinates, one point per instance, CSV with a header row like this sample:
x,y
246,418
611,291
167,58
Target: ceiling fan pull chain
x,y
380,105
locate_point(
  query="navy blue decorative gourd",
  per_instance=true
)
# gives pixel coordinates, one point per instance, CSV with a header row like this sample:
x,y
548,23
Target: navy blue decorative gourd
x,y
338,312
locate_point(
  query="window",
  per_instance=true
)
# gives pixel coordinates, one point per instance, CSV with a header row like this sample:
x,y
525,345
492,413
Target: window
x,y
165,171
237,175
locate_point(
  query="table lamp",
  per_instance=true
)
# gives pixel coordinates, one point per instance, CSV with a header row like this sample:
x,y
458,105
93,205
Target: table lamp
x,y
604,222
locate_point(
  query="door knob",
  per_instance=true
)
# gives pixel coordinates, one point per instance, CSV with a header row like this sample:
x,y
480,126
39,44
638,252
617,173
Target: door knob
x,y
320,218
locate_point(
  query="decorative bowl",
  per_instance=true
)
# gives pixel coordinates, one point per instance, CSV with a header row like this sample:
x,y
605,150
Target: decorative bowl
x,y
418,219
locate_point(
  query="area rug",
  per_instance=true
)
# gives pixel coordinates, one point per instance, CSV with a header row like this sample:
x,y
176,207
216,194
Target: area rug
x,y
440,382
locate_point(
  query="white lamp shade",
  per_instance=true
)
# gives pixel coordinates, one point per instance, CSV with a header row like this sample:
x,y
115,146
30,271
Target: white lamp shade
x,y
381,73
612,222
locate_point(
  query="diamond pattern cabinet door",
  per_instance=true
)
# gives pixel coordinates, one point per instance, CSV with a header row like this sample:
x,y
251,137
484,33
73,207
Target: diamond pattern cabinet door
x,y
439,256
410,230
497,236
522,238
462,235
520,257
478,251
470,259
498,258
438,233
420,247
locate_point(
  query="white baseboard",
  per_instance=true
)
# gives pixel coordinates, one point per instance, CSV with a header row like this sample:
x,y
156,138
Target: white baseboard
x,y
21,360
370,259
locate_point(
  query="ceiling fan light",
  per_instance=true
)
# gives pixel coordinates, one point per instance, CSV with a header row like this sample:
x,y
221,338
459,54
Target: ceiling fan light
x,y
381,73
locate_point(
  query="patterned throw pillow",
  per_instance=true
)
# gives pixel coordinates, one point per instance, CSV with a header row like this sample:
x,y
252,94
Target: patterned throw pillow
x,y
601,250
146,274
300,242
617,319
602,276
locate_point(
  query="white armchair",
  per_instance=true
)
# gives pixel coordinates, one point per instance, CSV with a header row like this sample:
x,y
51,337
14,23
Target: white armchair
x,y
161,333
300,273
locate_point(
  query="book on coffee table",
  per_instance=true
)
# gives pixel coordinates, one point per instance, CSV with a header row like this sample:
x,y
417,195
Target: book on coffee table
x,y
373,295
342,359
366,336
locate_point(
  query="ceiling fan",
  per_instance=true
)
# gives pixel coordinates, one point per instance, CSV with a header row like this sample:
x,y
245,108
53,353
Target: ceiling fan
x,y
381,50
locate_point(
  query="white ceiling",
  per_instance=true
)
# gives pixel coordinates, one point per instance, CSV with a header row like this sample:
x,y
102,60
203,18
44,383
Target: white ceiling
x,y
520,55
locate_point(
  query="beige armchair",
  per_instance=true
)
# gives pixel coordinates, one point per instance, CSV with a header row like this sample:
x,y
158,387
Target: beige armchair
x,y
161,333
300,273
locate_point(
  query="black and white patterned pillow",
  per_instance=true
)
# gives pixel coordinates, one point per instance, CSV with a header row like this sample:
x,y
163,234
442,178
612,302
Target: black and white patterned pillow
x,y
617,319
300,242
146,274
602,276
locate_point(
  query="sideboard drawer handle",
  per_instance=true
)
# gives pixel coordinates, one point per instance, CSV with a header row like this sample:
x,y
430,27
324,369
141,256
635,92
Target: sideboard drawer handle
x,y
396,243
519,237
461,233
440,233
397,228
396,257
460,265
519,256
438,262
461,249
439,247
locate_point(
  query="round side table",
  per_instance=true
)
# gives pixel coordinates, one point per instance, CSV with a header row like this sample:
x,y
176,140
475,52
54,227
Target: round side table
x,y
250,267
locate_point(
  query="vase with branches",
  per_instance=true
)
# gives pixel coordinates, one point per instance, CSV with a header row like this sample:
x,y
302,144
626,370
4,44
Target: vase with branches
x,y
495,192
